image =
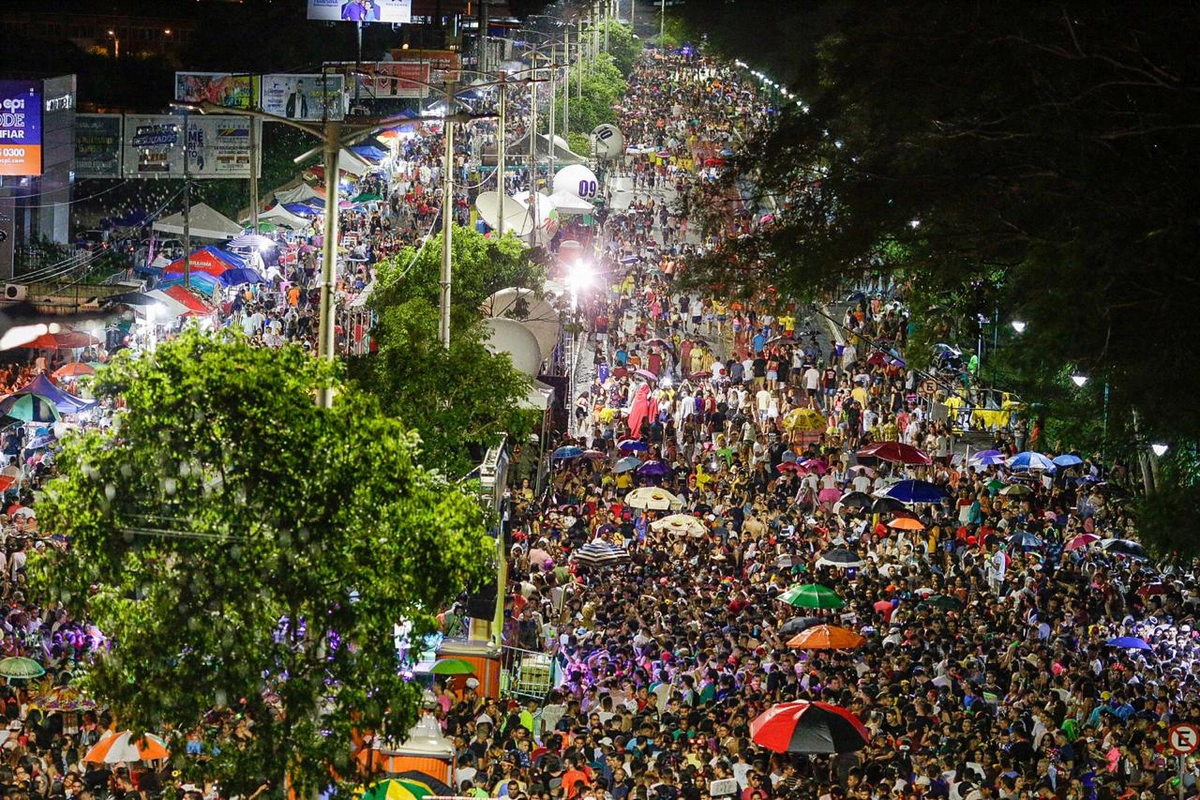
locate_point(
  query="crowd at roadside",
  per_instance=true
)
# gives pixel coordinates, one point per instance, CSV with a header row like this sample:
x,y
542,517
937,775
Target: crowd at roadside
x,y
1017,643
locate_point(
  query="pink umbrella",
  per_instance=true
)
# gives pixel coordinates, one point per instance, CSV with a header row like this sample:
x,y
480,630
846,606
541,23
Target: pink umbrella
x,y
829,495
1081,541
538,556
815,465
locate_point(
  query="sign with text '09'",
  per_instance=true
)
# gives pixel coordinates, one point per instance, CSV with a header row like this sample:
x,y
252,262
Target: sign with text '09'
x,y
20,128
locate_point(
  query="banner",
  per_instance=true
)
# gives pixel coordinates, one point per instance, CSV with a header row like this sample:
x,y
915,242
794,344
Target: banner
x,y
20,128
386,80
361,10
219,146
304,97
218,88
98,145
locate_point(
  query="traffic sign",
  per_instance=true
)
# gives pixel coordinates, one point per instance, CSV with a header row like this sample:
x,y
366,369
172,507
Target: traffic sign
x,y
1184,738
928,387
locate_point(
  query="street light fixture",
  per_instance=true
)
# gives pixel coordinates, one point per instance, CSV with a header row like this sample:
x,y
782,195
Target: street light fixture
x,y
1160,448
1018,325
1079,380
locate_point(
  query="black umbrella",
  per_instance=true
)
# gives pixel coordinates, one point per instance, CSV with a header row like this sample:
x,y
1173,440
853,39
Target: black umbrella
x,y
798,624
841,557
856,500
884,505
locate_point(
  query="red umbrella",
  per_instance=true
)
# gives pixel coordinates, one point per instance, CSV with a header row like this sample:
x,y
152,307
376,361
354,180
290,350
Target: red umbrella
x,y
1081,541
896,452
788,466
804,727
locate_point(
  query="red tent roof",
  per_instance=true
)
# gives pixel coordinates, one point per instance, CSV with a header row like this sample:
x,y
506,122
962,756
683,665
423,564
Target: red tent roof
x,y
181,295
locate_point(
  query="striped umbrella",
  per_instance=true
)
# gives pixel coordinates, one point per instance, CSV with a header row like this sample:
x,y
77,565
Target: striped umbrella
x,y
599,554
115,748
20,667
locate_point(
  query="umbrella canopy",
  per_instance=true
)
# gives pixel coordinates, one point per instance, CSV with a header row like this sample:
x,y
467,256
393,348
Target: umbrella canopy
x,y
566,452
627,463
1067,460
452,666
398,789
1129,643
598,554
987,458
428,782
804,420
61,698
797,624
29,408
896,452
1030,461
842,558
63,340
913,491
253,240
681,524
594,455
646,374
76,369
812,595
651,498
804,727
1025,539
826,637
19,667
632,446
1124,547
906,524
1016,490
1081,541
654,469
115,748
886,505
942,602
856,500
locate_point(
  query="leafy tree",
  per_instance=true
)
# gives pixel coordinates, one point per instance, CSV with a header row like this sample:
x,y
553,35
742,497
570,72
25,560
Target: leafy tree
x,y
602,90
458,401
622,46
1036,161
249,553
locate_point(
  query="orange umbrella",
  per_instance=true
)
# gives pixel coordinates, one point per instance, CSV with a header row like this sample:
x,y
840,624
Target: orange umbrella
x,y
906,524
117,747
826,637
75,369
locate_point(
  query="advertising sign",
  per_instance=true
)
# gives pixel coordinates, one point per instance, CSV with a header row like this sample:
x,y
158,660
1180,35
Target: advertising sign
x,y
20,128
218,146
360,10
387,80
218,88
98,145
304,97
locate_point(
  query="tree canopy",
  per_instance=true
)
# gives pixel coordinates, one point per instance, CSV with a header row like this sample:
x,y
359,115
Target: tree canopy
x,y
459,400
249,555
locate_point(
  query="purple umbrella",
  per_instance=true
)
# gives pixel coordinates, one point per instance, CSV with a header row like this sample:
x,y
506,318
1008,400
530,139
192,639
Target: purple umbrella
x,y
632,446
653,469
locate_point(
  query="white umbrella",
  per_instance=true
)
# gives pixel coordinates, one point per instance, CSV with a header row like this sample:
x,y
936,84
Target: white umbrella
x,y
653,499
681,524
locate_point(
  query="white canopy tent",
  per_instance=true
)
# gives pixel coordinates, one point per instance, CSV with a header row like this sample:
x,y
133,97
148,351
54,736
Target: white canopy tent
x,y
205,223
278,215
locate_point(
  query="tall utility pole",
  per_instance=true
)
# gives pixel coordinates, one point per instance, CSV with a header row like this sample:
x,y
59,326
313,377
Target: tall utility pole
x,y
325,332
253,173
662,22
447,212
500,187
187,204
567,84
579,39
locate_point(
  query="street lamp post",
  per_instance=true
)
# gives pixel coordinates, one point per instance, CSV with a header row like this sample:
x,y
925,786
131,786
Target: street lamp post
x,y
447,211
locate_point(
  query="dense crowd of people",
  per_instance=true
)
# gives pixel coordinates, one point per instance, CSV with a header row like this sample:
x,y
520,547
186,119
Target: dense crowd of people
x,y
1017,644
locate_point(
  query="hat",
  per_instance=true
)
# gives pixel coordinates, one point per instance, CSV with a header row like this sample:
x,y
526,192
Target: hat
x,y
472,683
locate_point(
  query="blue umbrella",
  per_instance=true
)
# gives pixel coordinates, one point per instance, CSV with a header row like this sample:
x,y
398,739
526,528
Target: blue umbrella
x,y
1068,460
653,469
632,446
568,451
913,491
1129,643
627,463
1024,539
238,276
987,458
1030,461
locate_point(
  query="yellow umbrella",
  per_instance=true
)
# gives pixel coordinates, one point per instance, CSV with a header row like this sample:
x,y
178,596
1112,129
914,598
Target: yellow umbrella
x,y
681,524
804,419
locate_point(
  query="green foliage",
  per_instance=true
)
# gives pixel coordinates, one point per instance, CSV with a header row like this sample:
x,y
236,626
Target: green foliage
x,y
579,143
465,397
622,47
603,88
249,553
1046,159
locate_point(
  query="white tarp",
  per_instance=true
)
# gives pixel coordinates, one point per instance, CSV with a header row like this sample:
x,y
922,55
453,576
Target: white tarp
x,y
205,223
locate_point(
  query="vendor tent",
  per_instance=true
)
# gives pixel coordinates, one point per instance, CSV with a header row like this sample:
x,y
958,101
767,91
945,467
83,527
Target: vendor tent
x,y
281,216
296,194
65,402
205,222
563,155
212,260
191,302
169,308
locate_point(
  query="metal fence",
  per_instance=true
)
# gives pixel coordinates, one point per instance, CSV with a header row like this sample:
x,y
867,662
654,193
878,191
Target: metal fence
x,y
527,673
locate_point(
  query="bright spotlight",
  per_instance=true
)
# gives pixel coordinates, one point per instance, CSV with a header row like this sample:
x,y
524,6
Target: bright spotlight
x,y
1018,325
1079,380
1160,449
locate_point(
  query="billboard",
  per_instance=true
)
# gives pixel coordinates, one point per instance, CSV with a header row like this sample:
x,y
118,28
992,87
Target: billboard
x,y
218,88
304,97
360,10
98,145
21,128
386,80
218,146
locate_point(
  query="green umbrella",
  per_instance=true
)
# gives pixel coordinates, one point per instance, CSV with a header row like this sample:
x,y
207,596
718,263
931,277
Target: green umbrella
x,y
367,197
452,666
812,595
29,407
995,485
18,667
942,602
